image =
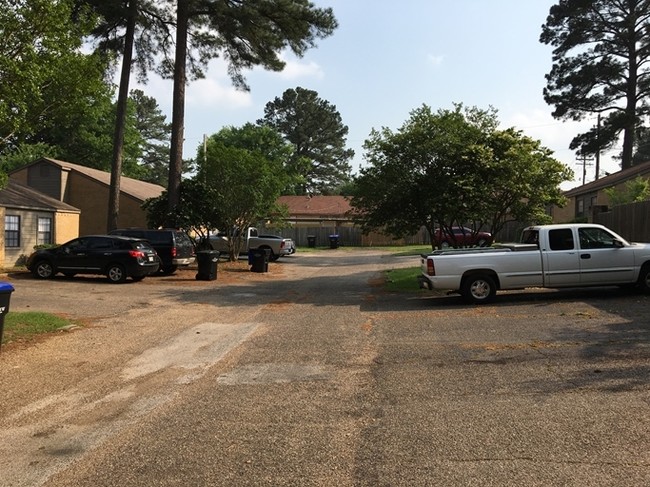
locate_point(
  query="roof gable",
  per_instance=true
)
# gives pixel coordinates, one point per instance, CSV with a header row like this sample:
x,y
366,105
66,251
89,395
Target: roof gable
x,y
321,206
611,180
17,195
140,190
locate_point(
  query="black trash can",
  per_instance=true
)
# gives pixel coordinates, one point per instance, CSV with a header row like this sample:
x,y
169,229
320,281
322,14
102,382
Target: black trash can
x,y
311,241
259,259
5,296
208,262
334,241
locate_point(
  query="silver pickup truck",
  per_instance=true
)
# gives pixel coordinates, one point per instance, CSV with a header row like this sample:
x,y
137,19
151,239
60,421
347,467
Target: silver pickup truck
x,y
278,246
554,256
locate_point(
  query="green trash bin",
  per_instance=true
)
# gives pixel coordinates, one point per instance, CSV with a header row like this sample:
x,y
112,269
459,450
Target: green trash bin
x,y
259,259
208,262
5,296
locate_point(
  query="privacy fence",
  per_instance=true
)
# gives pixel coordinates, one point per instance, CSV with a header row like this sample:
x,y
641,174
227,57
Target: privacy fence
x,y
347,236
631,221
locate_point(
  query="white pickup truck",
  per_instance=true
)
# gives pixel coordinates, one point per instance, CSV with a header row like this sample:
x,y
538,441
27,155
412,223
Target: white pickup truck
x,y
253,240
554,256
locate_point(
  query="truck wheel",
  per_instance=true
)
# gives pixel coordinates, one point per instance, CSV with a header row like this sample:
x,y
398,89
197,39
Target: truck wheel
x,y
644,279
478,289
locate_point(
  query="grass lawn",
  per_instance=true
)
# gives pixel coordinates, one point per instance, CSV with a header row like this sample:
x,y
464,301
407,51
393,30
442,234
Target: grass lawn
x,y
402,280
25,326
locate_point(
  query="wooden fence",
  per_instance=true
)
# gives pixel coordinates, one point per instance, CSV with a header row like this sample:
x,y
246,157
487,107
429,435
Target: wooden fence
x,y
630,221
347,236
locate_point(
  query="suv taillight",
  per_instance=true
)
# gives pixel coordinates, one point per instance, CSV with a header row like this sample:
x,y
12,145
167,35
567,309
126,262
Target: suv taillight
x,y
138,254
174,251
431,269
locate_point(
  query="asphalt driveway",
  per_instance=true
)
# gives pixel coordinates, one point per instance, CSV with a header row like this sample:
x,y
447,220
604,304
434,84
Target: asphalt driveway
x,y
313,375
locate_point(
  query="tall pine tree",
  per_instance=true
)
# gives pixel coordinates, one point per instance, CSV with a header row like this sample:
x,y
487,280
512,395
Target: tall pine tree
x,y
600,66
315,129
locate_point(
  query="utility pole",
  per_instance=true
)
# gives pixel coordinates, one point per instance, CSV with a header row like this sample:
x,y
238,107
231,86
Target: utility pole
x,y
584,161
598,148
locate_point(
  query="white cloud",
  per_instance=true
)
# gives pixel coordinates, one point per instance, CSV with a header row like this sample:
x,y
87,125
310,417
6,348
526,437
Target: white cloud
x,y
435,60
213,92
296,68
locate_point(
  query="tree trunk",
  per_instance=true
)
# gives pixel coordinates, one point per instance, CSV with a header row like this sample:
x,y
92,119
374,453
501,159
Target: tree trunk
x,y
178,112
120,119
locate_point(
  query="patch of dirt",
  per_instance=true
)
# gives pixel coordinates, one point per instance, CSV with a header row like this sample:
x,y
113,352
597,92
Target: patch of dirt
x,y
227,273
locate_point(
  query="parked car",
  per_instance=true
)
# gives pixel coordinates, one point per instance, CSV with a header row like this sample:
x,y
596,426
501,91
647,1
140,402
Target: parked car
x,y
462,237
113,256
174,247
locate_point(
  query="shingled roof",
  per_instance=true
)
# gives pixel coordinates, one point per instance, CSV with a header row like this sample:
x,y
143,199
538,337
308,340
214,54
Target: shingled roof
x,y
324,207
610,180
141,190
19,196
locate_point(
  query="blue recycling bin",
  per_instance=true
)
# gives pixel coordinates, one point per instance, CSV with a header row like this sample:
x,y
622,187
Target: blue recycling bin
x,y
5,296
334,241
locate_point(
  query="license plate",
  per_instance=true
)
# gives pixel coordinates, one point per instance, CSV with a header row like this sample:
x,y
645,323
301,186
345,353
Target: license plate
x,y
151,258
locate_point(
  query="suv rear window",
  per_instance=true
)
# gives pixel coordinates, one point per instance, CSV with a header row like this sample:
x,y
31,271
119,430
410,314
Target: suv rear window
x,y
158,238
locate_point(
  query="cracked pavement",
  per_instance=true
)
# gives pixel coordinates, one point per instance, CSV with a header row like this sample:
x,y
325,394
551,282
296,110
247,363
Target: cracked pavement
x,y
313,375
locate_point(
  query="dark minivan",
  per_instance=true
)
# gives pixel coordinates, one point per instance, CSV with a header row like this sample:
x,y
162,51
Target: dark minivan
x,y
174,247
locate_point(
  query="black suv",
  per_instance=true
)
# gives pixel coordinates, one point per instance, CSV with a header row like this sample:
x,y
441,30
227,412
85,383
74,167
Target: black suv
x,y
115,257
174,247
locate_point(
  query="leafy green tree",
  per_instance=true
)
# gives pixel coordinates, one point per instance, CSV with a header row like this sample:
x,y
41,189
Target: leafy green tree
x,y
246,34
419,175
449,168
25,154
198,213
85,136
635,190
520,182
600,65
315,129
245,169
152,125
44,76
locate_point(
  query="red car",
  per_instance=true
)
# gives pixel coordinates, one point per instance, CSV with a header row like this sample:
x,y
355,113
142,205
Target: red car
x,y
462,237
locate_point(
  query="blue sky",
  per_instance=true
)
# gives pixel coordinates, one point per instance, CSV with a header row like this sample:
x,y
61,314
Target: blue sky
x,y
388,58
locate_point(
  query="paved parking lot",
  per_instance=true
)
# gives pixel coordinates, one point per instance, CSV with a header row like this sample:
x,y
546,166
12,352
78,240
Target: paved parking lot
x,y
313,375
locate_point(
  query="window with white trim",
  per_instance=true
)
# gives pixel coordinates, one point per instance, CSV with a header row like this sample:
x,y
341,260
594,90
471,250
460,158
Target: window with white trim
x,y
12,231
44,231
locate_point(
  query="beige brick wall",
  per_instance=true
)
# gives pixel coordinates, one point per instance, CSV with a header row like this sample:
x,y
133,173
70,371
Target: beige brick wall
x,y
91,198
66,227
